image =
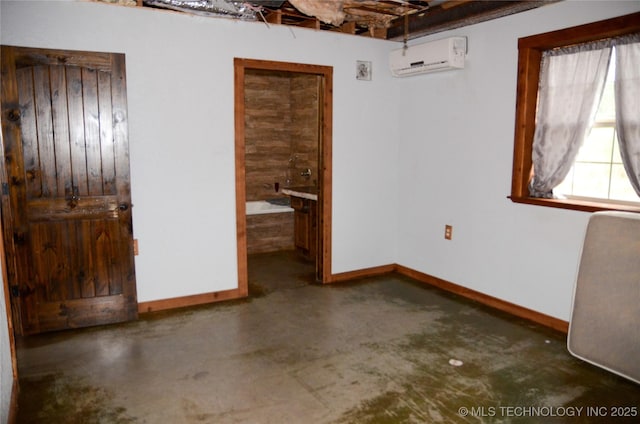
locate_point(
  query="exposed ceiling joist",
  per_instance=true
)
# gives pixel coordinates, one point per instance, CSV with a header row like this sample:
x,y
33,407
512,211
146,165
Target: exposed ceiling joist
x,y
447,16
387,19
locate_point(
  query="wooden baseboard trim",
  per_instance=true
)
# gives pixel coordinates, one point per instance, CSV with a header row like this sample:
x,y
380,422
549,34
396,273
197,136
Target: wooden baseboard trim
x,y
361,273
493,302
193,300
204,298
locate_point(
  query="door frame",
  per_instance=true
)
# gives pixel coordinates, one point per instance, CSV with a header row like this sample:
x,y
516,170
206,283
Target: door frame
x,y
9,315
4,208
323,259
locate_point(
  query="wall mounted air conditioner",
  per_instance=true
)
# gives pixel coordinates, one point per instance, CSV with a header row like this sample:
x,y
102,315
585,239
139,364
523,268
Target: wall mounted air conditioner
x,y
440,55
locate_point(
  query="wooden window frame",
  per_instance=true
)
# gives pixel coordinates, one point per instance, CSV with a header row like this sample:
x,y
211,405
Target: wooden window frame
x,y
530,51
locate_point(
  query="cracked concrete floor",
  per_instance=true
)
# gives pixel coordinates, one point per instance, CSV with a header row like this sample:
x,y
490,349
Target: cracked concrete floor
x,y
373,351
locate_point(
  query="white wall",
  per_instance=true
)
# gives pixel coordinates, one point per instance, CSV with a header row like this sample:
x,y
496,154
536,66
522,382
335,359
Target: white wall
x,y
6,365
410,155
181,127
455,164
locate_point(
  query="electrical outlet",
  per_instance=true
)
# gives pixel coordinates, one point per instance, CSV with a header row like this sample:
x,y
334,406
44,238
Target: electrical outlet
x,y
448,232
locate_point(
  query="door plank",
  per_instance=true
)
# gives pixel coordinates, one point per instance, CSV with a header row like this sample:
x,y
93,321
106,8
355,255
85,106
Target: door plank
x,y
120,122
30,57
91,207
102,244
118,243
29,133
92,131
74,283
85,274
46,149
49,264
14,208
61,130
106,134
121,149
105,272
62,272
78,313
76,130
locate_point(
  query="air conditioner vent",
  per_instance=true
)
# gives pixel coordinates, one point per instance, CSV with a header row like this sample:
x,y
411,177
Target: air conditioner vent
x,y
441,55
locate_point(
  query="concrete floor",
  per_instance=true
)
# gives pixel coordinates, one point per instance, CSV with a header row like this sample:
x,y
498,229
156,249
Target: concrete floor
x,y
373,351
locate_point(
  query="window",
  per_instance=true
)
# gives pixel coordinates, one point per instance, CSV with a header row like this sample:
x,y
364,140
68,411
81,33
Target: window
x,y
598,171
597,180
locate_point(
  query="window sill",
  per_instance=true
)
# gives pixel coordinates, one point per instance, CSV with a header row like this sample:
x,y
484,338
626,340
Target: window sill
x,y
576,205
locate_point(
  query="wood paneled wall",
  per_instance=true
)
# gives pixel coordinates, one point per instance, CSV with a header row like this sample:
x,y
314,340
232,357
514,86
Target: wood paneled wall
x,y
305,131
281,131
281,140
270,232
267,132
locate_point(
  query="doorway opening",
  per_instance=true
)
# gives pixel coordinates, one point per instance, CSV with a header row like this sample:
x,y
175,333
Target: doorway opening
x,y
299,164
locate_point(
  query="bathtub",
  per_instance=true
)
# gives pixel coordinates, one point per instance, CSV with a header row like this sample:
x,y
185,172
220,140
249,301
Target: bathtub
x,y
260,207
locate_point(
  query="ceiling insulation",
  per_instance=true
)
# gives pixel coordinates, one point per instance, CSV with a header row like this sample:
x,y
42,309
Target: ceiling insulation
x,y
380,14
328,11
232,9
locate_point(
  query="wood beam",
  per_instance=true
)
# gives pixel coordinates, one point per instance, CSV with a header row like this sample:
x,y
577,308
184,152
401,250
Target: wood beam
x,y
348,27
310,23
380,11
453,3
405,4
274,17
379,33
439,19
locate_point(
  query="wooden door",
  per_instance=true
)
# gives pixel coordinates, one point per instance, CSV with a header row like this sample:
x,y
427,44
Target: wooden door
x,y
66,204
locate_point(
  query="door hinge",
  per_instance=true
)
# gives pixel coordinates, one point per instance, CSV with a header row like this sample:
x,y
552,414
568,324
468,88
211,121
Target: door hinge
x,y
5,189
15,291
